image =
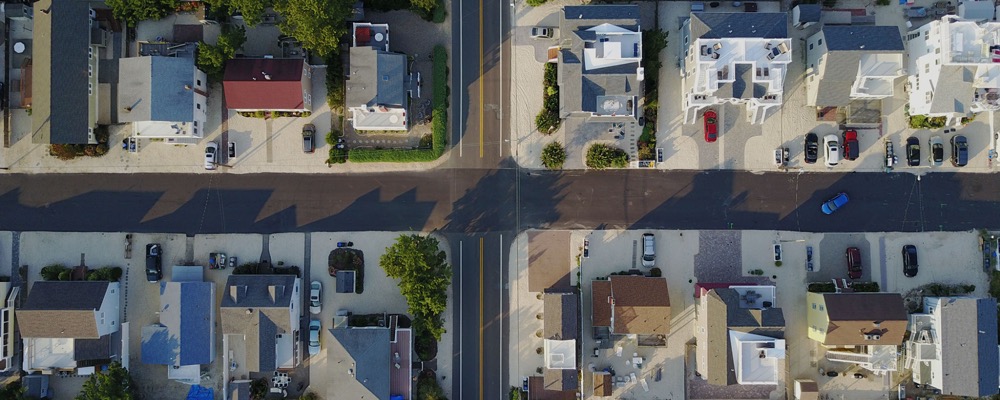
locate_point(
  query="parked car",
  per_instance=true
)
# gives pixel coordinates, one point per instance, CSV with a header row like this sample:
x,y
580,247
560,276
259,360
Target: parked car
x,y
831,149
539,32
853,255
910,260
959,151
314,328
211,155
711,126
315,289
936,145
154,262
812,148
912,151
308,138
851,147
834,204
648,250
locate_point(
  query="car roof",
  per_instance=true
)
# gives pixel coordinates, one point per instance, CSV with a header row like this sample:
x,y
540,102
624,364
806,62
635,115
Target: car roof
x,y
959,139
912,140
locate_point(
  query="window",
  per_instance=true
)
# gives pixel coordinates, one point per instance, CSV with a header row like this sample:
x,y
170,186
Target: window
x,y
937,50
195,131
810,46
814,306
819,42
198,105
112,291
199,82
821,307
195,123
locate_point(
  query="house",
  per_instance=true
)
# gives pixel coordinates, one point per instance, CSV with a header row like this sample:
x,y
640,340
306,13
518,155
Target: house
x,y
260,324
67,48
865,329
954,67
599,72
740,336
7,327
379,85
69,324
806,389
163,98
184,337
953,346
374,362
561,333
848,62
632,305
738,58
267,84
806,15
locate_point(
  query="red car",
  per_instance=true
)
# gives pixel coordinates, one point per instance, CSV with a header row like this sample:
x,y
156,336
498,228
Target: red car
x,y
711,126
853,255
851,147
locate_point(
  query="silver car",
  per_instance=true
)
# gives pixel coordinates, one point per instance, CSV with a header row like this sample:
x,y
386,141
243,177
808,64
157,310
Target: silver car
x,y
936,157
648,250
831,149
314,328
315,303
211,155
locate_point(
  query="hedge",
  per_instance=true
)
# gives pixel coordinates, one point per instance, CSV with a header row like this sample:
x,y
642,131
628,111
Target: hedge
x,y
439,123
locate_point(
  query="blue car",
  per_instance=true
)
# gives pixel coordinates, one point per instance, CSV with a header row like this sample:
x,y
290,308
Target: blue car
x,y
835,203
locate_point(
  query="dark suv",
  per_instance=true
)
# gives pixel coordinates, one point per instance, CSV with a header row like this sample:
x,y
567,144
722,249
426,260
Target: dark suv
x,y
853,255
959,151
910,260
154,267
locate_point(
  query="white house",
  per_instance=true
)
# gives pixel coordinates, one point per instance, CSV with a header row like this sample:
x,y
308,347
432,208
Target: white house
x,y
163,97
737,58
65,323
954,68
953,346
852,62
379,84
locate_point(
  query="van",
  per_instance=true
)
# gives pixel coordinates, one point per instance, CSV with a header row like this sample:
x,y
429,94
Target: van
x,y
648,250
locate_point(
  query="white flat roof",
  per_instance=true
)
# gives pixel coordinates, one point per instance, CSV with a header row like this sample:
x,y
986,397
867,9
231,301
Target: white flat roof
x,y
49,353
756,358
560,354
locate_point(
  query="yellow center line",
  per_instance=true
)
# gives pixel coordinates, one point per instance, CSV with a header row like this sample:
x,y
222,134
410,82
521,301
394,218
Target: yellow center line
x,y
481,328
481,79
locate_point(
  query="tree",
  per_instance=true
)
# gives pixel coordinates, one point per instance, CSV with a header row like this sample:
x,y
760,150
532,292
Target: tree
x,y
426,5
212,59
252,10
601,156
318,24
424,277
113,384
133,11
12,391
553,155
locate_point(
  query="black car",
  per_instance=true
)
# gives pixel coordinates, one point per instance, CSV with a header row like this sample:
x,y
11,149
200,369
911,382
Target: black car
x,y
959,151
812,148
910,260
154,267
912,151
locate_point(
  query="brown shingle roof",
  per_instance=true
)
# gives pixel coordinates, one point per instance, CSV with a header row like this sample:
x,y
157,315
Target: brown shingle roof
x,y
853,315
62,310
602,384
641,305
548,261
600,293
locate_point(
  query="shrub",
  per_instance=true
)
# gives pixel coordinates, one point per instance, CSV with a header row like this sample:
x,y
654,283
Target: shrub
x,y
536,3
428,387
547,120
52,272
335,81
925,122
653,42
647,142
553,155
655,273
777,263
822,287
65,275
865,287
602,156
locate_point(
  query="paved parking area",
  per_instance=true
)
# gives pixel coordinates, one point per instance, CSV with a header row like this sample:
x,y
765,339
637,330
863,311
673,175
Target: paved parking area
x,y
829,256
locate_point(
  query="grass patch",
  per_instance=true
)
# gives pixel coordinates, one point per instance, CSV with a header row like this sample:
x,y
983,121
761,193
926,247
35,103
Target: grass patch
x,y
439,123
925,122
548,119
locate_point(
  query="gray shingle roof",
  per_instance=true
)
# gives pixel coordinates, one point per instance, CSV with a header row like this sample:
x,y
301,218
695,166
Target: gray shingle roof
x,y
969,357
376,77
369,350
809,12
863,37
62,309
155,89
256,316
59,83
953,91
739,25
184,334
561,315
345,281
92,349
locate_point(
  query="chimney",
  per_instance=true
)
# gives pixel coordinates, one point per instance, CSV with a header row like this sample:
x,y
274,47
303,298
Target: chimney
x,y
275,291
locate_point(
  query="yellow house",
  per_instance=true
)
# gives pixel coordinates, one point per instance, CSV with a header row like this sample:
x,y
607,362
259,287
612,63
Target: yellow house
x,y
856,319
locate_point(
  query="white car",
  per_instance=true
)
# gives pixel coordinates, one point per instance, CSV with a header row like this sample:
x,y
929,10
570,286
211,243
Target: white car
x,y
314,328
314,297
211,155
831,149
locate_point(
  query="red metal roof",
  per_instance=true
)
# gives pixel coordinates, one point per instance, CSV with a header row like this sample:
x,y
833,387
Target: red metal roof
x,y
264,84
362,35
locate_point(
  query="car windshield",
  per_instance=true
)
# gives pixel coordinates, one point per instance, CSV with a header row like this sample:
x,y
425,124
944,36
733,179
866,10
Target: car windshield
x,y
938,152
648,257
833,205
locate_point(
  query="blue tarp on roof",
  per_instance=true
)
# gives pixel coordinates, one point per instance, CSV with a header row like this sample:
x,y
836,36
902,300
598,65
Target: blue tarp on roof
x,y
200,393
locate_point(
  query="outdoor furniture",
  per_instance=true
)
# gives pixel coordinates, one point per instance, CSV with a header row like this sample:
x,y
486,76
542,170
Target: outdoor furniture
x,y
717,47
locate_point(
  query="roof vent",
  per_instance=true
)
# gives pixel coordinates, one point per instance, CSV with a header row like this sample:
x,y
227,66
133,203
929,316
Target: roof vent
x,y
249,311
266,75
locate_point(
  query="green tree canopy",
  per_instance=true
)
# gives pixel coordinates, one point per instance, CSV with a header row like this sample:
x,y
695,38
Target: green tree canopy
x,y
133,11
318,24
424,277
252,10
553,155
212,59
113,384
